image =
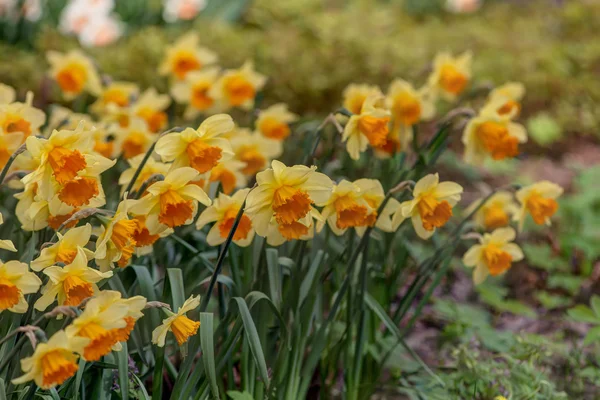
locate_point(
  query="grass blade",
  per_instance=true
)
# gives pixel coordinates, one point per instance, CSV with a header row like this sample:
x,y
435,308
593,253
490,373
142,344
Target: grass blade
x,y
274,271
123,363
253,339
208,351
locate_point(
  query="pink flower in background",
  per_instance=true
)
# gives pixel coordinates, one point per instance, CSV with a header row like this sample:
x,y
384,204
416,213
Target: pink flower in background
x,y
463,6
182,9
101,31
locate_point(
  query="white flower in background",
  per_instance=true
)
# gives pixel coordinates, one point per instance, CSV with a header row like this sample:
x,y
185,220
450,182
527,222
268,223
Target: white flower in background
x,y
182,9
463,6
91,21
77,14
101,31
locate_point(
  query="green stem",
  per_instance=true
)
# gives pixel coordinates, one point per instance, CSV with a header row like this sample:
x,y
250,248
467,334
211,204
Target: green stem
x,y
138,171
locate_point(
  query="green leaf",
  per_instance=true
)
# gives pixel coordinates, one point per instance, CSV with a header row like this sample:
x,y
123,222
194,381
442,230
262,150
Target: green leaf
x,y
593,335
583,313
235,395
253,339
123,363
565,281
274,271
141,387
177,287
79,377
308,283
2,390
208,351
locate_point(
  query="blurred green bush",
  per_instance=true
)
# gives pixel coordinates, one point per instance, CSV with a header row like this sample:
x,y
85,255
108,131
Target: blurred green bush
x,y
312,49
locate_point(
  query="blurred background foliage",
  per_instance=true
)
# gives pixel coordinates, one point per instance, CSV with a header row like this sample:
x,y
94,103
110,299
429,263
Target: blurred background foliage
x,y
311,49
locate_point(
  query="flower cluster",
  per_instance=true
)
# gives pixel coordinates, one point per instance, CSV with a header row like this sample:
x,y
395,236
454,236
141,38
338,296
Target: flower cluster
x,y
226,180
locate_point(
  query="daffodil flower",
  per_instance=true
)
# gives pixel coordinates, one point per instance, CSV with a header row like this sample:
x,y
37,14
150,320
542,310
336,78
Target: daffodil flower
x,y
178,323
201,148
52,362
65,249
194,92
493,255
370,127
185,56
100,326
539,201
74,72
431,206
354,96
496,212
238,87
223,212
116,242
255,150
172,202
274,122
492,135
450,75
70,284
16,281
286,195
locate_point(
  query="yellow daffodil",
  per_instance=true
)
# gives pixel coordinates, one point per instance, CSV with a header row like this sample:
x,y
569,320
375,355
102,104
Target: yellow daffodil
x,y
178,323
493,255
116,242
492,135
100,326
286,195
201,148
172,202
70,284
303,229
7,94
238,87
150,107
151,167
223,212
255,150
184,56
65,118
68,167
450,75
372,192
21,118
539,201
133,140
143,238
274,122
229,174
431,206
16,281
355,95
370,127
408,107
505,99
496,212
65,249
52,362
107,299
74,72
500,398
115,95
194,91
346,208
